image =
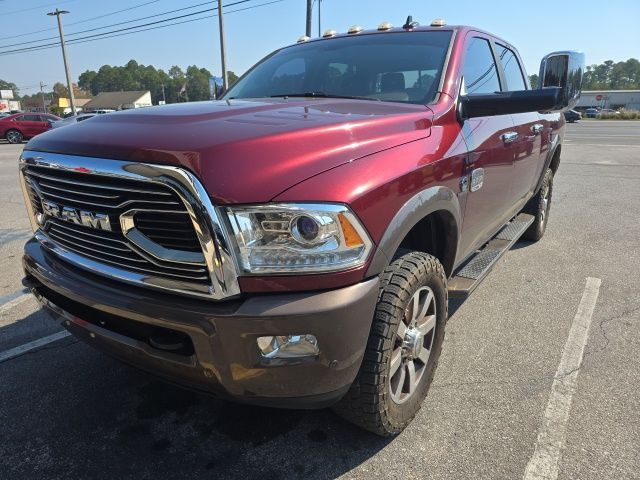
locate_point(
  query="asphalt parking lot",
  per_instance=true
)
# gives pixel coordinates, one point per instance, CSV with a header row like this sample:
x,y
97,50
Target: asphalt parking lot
x,y
67,411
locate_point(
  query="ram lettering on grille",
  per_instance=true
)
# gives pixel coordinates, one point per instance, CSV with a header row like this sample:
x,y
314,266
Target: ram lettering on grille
x,y
99,221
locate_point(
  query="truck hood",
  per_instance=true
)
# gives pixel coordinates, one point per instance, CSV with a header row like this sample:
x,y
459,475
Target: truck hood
x,y
245,151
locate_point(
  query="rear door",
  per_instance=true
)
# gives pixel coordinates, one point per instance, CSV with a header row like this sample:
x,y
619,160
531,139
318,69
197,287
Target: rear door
x,y
528,129
30,124
490,158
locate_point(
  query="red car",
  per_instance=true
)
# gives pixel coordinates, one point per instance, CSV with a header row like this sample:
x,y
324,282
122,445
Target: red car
x,y
22,126
295,243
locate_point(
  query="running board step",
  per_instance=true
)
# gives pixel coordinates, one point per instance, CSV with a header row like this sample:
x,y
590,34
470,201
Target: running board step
x,y
473,272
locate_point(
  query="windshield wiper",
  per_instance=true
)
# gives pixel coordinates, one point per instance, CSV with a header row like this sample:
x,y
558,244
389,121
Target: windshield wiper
x,y
322,95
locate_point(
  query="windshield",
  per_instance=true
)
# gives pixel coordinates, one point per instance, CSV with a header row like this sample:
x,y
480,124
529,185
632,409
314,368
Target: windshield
x,y
394,67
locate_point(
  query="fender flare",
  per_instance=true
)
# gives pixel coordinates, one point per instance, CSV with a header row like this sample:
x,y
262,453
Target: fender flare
x,y
550,154
426,202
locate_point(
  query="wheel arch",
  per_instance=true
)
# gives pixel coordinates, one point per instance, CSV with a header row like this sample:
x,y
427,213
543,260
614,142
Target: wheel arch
x,y
429,222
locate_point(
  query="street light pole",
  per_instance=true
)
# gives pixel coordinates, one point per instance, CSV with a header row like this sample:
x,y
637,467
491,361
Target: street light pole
x,y
44,107
72,99
223,52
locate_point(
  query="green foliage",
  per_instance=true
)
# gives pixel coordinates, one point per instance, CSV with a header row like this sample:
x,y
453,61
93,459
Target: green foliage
x,y
533,79
4,85
179,86
613,76
59,111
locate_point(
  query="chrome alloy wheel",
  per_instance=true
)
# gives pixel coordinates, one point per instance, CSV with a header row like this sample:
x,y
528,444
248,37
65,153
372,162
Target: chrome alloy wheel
x,y
412,346
13,136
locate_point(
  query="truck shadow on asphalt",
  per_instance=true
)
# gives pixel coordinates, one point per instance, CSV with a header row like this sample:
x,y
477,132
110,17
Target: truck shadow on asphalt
x,y
83,415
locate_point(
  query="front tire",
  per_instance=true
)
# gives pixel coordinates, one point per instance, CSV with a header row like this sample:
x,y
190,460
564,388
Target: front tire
x,y
403,348
539,207
14,136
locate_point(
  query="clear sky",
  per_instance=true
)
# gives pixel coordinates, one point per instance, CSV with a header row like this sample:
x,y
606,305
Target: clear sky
x,y
603,30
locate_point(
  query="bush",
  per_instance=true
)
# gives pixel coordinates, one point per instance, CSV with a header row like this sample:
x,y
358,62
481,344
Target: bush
x,y
58,111
623,115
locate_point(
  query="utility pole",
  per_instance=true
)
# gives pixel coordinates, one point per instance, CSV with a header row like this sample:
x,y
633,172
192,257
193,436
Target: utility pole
x,y
223,52
72,99
319,21
163,97
44,107
309,14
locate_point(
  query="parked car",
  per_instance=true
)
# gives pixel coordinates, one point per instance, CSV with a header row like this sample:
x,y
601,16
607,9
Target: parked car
x,y
18,127
72,120
608,111
296,244
592,112
103,111
572,116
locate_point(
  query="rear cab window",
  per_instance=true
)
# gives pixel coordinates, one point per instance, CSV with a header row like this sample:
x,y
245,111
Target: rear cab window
x,y
513,72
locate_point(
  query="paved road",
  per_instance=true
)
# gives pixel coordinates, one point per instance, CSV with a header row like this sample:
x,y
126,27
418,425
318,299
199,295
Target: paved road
x,y
69,412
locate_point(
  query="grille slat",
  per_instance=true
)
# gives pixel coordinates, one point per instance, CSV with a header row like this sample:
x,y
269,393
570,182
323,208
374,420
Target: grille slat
x,y
160,215
146,191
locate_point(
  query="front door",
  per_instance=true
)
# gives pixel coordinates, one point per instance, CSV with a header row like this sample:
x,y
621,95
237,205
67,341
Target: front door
x,y
528,129
491,150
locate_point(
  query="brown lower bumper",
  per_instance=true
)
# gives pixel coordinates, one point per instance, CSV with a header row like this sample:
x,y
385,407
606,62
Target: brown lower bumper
x,y
219,353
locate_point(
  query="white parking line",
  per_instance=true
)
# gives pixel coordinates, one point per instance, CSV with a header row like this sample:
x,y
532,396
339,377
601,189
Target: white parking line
x,y
552,434
14,352
5,307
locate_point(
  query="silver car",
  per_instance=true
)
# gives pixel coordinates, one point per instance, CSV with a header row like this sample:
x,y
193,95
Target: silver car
x,y
72,120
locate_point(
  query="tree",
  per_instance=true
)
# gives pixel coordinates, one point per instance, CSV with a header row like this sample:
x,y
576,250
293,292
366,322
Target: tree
x,y
232,77
4,85
198,83
533,79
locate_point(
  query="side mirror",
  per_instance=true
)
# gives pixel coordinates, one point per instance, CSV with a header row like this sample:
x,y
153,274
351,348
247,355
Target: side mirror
x,y
505,103
564,70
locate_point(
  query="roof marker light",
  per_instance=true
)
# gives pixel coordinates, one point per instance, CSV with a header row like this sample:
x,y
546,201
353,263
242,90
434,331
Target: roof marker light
x,y
438,22
329,33
354,29
385,26
303,39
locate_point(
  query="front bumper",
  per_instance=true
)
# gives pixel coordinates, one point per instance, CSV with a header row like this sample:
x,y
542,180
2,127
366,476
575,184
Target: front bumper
x,y
220,354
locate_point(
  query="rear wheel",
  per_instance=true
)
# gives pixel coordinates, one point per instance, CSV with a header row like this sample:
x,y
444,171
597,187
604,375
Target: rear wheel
x,y
14,136
539,207
403,348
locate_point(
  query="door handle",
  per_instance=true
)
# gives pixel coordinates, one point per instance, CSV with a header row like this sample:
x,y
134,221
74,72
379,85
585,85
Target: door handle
x,y
537,128
509,137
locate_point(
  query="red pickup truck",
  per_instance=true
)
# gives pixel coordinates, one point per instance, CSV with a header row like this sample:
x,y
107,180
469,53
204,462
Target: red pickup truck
x,y
295,243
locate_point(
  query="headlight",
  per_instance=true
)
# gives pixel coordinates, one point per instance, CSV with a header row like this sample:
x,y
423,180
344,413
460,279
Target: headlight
x,y
292,238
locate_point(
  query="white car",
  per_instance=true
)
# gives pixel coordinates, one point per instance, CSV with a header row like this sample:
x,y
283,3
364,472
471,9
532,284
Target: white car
x,y
72,120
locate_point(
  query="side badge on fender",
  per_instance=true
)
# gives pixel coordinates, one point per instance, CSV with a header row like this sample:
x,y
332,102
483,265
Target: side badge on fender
x,y
477,179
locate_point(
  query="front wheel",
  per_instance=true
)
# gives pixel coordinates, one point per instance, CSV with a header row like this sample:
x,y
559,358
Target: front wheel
x,y
14,136
403,348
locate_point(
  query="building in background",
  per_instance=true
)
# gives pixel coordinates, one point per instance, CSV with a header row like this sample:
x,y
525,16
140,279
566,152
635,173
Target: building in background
x,y
615,99
119,101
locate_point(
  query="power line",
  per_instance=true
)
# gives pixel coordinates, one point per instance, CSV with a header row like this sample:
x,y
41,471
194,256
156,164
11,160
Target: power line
x,y
127,22
115,12
4,14
113,24
136,29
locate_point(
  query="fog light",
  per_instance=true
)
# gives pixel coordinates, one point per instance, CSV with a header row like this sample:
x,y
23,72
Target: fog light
x,y
288,346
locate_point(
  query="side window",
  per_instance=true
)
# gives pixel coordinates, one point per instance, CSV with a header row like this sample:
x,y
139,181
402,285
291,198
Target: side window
x,y
511,66
31,118
479,72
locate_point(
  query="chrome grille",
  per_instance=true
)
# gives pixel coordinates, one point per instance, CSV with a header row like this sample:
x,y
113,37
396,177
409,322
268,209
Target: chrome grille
x,y
161,215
